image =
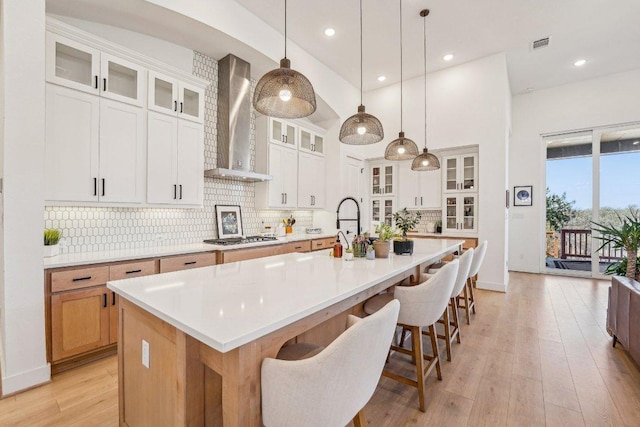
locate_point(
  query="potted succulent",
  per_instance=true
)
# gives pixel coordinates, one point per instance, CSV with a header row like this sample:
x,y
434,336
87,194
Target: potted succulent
x,y
371,254
348,254
624,236
383,243
51,239
405,221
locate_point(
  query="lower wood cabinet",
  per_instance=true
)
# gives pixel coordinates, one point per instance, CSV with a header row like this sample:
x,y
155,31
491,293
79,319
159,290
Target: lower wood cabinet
x,y
185,262
325,243
80,321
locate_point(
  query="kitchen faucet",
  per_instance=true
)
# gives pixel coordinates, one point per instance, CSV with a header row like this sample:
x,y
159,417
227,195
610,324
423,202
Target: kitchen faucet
x,y
357,219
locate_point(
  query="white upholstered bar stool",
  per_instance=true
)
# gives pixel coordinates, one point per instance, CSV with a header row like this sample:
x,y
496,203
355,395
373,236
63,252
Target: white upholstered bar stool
x,y
331,387
452,325
469,294
420,306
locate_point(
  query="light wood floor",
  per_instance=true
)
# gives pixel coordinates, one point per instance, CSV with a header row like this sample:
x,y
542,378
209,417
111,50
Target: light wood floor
x,y
538,355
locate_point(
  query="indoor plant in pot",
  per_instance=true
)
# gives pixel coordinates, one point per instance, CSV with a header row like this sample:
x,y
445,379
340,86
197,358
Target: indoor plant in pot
x,y
626,236
383,242
405,221
51,239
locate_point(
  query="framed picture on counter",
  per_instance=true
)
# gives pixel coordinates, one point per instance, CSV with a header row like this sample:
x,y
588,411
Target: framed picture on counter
x,y
229,221
523,195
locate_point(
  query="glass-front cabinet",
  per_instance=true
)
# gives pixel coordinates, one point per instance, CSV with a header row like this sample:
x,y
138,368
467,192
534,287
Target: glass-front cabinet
x,y
382,209
460,173
171,96
382,179
460,213
311,141
282,132
80,67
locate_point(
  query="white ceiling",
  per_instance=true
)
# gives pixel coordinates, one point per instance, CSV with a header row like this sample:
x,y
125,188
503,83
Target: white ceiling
x,y
605,32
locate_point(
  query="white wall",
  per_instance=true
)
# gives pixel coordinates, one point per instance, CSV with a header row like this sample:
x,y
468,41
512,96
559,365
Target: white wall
x,y
22,323
604,101
467,105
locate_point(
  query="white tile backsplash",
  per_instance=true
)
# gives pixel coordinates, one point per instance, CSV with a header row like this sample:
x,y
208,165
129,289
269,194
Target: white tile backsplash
x,y
88,229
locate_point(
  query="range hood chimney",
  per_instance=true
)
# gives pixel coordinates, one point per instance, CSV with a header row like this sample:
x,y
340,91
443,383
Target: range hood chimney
x,y
234,123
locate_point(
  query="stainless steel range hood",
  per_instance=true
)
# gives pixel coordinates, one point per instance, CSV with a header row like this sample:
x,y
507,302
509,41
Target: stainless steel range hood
x,y
234,123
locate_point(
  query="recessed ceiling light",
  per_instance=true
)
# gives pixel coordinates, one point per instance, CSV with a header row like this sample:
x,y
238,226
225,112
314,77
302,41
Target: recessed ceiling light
x,y
448,57
580,62
382,78
330,32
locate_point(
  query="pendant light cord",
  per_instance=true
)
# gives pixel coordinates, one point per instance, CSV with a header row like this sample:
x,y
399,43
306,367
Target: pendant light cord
x,y
425,80
400,65
285,28
360,52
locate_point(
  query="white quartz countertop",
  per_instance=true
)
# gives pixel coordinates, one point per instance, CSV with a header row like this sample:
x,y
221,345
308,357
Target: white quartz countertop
x,y
228,305
82,258
443,236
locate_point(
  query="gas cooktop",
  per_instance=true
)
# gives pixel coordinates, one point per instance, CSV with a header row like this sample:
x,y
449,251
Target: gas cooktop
x,y
240,240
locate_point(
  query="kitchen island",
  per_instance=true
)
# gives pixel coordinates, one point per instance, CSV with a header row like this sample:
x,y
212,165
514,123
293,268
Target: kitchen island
x,y
191,343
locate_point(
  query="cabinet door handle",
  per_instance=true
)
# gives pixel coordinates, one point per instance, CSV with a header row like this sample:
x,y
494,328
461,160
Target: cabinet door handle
x,y
286,198
297,247
96,82
113,298
103,182
282,198
104,300
175,191
95,186
80,279
181,107
104,84
180,191
190,262
175,105
421,201
134,271
415,201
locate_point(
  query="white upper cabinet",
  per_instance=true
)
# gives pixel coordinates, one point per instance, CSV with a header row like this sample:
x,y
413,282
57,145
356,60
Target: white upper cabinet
x,y
382,178
174,97
460,213
78,66
460,173
94,148
175,161
419,190
310,141
282,191
311,181
283,132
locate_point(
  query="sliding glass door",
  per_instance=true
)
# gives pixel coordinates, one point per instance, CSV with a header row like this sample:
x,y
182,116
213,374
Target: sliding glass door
x,y
591,176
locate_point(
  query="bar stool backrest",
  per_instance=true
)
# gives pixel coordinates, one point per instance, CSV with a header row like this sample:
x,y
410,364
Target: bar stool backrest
x,y
478,257
464,267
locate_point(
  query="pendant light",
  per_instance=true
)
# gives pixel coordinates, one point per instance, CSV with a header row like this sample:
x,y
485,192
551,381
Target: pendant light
x,y
361,128
425,161
401,148
284,92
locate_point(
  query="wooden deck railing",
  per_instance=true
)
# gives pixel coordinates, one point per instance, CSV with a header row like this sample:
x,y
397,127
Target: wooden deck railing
x,y
577,244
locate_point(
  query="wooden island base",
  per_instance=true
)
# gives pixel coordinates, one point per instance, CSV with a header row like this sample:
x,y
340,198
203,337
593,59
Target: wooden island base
x,y
188,383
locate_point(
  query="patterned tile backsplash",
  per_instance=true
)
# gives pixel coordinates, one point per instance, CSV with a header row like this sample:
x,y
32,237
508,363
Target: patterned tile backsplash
x,y
428,217
88,229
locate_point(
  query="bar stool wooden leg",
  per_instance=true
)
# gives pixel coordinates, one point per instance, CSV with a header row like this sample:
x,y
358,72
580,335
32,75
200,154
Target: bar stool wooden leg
x,y
466,304
416,337
447,333
472,297
456,320
434,347
359,420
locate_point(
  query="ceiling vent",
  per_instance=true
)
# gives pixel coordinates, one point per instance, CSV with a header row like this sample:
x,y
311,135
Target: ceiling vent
x,y
541,43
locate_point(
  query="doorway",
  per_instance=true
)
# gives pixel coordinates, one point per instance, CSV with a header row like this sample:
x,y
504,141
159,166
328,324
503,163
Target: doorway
x,y
591,176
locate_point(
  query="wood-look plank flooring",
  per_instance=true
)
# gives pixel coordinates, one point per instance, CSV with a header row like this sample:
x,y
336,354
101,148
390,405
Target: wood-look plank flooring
x,y
536,356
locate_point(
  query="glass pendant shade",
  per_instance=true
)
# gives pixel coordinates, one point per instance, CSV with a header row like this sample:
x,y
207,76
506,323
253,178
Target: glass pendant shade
x,y
361,129
425,162
401,148
284,93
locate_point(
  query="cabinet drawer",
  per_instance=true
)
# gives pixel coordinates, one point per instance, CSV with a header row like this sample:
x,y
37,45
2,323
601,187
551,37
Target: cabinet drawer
x,y
252,253
326,243
184,262
470,243
303,246
78,278
132,269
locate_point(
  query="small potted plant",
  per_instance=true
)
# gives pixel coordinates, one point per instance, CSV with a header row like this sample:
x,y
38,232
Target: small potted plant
x,y
348,254
625,235
51,239
359,245
383,243
371,254
439,226
405,221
